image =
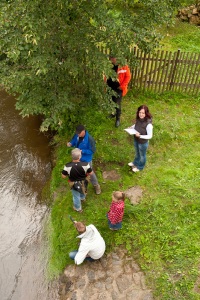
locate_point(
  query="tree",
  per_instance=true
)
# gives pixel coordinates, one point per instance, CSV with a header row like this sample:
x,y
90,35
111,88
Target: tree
x,y
51,54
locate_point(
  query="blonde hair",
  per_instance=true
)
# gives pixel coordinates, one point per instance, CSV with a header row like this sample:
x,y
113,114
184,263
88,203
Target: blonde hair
x,y
118,195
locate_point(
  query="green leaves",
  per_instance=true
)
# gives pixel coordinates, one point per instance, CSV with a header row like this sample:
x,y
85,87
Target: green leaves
x,y
53,58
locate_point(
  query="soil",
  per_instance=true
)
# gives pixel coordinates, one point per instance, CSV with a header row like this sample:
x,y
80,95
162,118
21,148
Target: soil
x,y
113,277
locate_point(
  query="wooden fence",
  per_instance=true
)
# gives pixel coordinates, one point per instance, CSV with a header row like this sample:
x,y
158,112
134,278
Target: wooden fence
x,y
166,71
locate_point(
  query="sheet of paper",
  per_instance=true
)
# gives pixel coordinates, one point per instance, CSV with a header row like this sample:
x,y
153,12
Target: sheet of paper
x,y
131,131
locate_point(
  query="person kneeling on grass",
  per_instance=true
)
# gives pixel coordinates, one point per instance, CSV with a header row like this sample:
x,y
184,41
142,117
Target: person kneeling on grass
x,y
92,245
116,212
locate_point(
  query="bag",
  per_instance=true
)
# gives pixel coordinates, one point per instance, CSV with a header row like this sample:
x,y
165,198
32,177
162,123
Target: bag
x,y
77,186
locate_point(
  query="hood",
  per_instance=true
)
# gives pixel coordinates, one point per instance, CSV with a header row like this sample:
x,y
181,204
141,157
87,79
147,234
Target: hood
x,y
89,233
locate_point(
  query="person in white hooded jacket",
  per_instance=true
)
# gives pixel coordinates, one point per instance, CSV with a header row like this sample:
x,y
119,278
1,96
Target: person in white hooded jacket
x,y
92,245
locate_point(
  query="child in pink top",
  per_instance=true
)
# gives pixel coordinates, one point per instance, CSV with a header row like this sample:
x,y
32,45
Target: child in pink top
x,y
116,212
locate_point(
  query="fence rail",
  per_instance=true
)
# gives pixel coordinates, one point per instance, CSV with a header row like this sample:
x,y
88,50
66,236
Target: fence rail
x,y
166,71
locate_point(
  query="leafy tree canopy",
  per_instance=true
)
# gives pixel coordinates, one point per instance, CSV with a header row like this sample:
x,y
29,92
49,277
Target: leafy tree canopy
x,y
51,52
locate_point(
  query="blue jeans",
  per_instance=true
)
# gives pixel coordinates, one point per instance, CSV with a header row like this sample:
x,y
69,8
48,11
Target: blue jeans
x,y
114,226
77,197
140,154
73,254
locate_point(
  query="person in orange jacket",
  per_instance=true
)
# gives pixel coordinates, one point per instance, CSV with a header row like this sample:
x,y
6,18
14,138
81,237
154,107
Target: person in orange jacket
x,y
120,86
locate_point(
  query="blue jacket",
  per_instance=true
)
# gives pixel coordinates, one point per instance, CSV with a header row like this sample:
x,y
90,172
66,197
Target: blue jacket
x,y
87,145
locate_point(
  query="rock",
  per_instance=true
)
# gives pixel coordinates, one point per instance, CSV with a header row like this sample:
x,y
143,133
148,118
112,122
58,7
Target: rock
x,y
190,14
118,278
194,19
134,194
111,175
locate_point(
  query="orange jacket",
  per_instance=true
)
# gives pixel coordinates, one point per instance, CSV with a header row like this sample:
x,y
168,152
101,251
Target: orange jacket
x,y
124,77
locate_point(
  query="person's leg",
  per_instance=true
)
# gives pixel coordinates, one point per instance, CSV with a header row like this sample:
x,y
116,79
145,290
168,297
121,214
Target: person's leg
x,y
94,181
93,177
76,200
118,99
136,160
118,107
88,258
142,151
73,254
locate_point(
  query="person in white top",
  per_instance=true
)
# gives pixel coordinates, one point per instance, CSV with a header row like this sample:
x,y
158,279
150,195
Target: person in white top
x,y
144,132
92,245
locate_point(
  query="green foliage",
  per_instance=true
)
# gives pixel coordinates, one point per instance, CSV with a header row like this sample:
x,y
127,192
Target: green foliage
x,y
162,232
51,57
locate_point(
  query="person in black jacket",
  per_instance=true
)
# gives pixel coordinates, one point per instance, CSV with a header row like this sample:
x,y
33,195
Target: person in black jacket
x,y
144,132
77,172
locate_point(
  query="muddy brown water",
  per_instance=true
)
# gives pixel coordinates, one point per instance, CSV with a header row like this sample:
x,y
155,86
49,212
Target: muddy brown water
x,y
24,169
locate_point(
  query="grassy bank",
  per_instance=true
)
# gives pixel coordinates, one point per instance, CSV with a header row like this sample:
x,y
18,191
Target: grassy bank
x,y
180,35
162,232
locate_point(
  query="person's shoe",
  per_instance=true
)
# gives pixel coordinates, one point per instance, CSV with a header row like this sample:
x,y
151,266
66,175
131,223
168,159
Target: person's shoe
x,y
111,116
131,164
135,169
117,123
97,189
80,210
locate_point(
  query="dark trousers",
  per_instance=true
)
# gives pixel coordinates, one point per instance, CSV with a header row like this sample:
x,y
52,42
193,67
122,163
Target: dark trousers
x,y
118,99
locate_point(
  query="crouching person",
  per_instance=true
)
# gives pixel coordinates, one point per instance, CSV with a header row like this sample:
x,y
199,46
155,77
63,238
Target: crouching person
x,y
92,245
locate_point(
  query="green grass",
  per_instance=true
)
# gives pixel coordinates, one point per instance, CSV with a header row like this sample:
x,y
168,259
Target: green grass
x,y
181,36
162,232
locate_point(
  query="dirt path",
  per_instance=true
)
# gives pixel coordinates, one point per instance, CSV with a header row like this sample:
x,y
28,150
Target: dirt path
x,y
115,276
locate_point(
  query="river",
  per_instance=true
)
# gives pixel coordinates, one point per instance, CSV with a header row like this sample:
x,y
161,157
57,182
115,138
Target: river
x,y
25,167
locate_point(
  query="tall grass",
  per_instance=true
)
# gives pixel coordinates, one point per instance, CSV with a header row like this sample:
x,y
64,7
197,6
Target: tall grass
x,y
162,232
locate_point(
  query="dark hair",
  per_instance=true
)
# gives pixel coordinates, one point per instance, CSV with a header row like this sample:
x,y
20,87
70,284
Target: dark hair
x,y
80,128
147,113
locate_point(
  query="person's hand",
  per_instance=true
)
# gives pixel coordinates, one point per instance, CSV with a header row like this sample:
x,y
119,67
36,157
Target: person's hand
x,y
69,144
137,134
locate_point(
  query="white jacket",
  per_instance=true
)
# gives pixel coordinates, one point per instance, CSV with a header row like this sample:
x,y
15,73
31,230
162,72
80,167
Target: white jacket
x,y
92,244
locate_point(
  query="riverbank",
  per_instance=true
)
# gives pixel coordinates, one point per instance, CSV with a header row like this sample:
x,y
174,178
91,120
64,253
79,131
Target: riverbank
x,y
115,276
157,233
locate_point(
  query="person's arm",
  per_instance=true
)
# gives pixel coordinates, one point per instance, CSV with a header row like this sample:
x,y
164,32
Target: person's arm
x,y
149,134
73,141
126,79
81,254
64,173
91,146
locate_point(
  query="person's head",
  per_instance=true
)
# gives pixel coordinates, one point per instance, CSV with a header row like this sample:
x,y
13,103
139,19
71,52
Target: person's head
x,y
113,59
80,227
143,113
76,154
118,195
80,130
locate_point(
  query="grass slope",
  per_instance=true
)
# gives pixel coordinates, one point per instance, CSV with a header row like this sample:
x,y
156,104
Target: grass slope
x,y
162,232
180,35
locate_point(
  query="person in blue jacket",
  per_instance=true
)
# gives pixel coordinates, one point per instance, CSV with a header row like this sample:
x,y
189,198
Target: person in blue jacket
x,y
85,142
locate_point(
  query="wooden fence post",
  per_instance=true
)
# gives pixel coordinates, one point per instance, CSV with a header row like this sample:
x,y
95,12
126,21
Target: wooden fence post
x,y
174,69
